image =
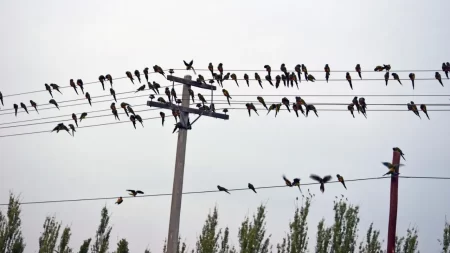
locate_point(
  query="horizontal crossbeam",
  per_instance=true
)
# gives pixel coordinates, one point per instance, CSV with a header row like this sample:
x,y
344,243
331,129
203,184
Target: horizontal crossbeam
x,y
191,83
188,110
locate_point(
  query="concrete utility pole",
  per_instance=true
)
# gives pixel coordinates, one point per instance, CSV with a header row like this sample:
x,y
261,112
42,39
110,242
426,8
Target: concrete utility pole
x,y
184,125
393,205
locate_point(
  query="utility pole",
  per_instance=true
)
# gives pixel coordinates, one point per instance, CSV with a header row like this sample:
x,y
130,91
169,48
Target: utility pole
x,y
393,205
183,125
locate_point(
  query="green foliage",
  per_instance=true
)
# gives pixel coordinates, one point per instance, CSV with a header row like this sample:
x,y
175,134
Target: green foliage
x,y
183,248
209,238
101,243
64,241
324,236
11,239
409,243
84,248
252,234
49,237
445,242
372,243
224,244
122,246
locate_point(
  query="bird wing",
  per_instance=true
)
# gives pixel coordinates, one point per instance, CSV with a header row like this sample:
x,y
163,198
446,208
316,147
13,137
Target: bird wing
x,y
140,192
386,164
327,178
132,191
315,177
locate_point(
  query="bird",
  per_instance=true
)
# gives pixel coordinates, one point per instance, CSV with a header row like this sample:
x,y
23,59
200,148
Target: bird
x,y
88,97
396,77
412,76
167,92
47,87
101,78
113,93
272,107
378,68
227,95
146,74
251,187
424,110
53,102
163,115
211,68
138,75
55,87
142,88
130,110
234,78
322,181
189,66
269,79
139,119
109,78
292,78
397,149
258,78
83,116
246,78
285,102
392,168
311,108
16,107
74,117
286,181
114,110
72,127
173,93
296,182
156,86
261,100
351,108
358,70
220,69
445,69
135,192
438,77
341,179
24,107
201,98
327,72
1,98
295,108
61,127
387,67
222,189
225,110
133,120
413,108
124,105
298,70
191,93
201,79
119,201
277,81
277,109
386,77
80,83
269,69
349,79
305,72
33,104
311,78
159,70
226,77
355,102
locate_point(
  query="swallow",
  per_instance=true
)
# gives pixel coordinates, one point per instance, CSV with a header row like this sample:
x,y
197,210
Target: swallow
x,y
16,107
311,108
356,103
396,77
189,66
114,110
284,79
191,93
55,87
138,75
258,78
358,70
201,79
322,181
311,78
72,127
142,88
296,182
424,110
269,79
341,179
133,120
251,187
201,98
211,68
109,78
88,97
167,91
412,76
300,101
113,93
277,109
130,76
327,72
298,70
34,105
222,189
284,69
445,69
161,100
219,79
100,78
285,102
24,107
387,67
173,93
362,103
135,192
277,81
156,86
250,108
225,110
83,116
119,201
438,77
397,149
1,98
392,168
351,108
378,68
130,110
152,97
413,108
175,114
139,119
286,181
72,84
349,79
227,95
447,64
305,72
295,108
146,74
272,107
151,87
53,102
80,83
269,69
226,77
293,78
61,127
163,115
246,78
47,87
74,117
220,69
159,70
261,100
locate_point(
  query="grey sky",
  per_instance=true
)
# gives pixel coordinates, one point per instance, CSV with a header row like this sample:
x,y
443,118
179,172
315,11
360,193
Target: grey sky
x,y
54,41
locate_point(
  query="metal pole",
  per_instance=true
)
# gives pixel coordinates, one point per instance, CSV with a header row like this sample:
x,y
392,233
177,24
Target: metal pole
x,y
393,206
174,223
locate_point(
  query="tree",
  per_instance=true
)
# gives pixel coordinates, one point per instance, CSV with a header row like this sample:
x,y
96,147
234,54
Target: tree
x,y
147,251
84,248
122,246
64,241
208,240
409,243
49,237
101,244
372,243
445,242
323,238
183,248
224,244
252,234
11,239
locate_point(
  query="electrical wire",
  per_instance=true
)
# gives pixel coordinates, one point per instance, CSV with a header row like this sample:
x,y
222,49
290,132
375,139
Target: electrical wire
x,y
315,71
216,191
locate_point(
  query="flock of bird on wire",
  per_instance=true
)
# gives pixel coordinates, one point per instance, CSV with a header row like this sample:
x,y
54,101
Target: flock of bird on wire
x,y
286,78
392,171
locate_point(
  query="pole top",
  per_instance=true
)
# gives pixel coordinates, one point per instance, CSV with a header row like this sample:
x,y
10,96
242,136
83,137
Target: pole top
x,y
189,77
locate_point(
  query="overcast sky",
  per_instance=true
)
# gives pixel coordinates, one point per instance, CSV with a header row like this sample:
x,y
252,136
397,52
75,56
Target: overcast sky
x,y
54,41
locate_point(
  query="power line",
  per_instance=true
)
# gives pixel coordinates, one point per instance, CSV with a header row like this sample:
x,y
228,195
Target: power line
x,y
215,191
312,71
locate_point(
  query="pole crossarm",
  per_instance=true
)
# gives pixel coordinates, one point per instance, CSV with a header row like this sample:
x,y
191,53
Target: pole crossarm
x,y
188,110
191,83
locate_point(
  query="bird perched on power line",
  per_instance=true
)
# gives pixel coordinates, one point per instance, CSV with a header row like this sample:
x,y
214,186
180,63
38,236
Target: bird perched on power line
x,y
445,69
341,179
284,70
72,127
269,79
139,119
412,77
201,98
156,86
124,105
251,187
88,97
363,106
358,70
277,109
163,115
412,107
1,98
438,77
83,116
269,69
159,70
296,182
55,87
130,109
74,117
287,181
271,107
397,149
142,88
211,68
305,72
277,81
295,108
261,100
285,102
119,201
258,78
24,107
61,127
387,67
138,75
356,103
135,192
133,120
327,72
234,78
386,78
250,107
114,111
47,87
109,78
349,79
72,84
173,93
16,107
311,78
378,68
392,168
101,78
396,77
227,95
246,78
293,79
225,110
34,105
53,102
146,74
220,69
189,66
225,77
351,108
298,70
167,92
201,79
424,110
113,93
222,189
80,83
175,114
191,93
311,108
322,181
